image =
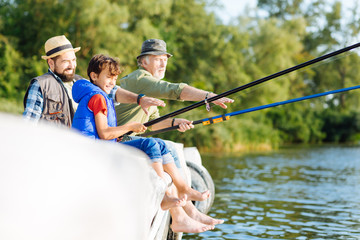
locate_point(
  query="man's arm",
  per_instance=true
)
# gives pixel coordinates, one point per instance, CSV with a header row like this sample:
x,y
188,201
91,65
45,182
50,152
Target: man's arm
x,y
34,103
193,94
125,96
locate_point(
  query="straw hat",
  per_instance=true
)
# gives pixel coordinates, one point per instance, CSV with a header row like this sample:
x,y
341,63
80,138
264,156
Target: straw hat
x,y
58,45
153,47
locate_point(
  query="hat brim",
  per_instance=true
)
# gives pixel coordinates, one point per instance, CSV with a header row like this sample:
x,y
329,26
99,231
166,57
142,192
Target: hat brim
x,y
155,53
60,52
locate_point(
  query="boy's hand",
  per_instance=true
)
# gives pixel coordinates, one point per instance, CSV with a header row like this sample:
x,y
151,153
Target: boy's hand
x,y
146,102
137,127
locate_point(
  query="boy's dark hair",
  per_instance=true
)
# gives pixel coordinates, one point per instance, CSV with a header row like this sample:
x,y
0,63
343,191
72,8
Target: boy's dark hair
x,y
100,62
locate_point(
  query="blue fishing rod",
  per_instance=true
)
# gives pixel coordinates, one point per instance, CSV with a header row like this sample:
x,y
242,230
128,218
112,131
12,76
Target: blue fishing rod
x,y
224,117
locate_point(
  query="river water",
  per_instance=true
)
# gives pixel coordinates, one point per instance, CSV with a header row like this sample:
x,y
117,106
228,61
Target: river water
x,y
293,193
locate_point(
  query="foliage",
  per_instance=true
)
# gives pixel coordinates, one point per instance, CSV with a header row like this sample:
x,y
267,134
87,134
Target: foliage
x,y
207,55
297,123
10,63
341,128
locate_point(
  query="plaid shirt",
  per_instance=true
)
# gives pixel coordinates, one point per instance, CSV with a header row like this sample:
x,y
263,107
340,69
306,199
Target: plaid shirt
x,y
35,100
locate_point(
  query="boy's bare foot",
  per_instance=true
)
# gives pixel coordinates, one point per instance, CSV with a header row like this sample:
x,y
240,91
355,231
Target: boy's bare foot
x,y
170,202
194,195
195,214
183,223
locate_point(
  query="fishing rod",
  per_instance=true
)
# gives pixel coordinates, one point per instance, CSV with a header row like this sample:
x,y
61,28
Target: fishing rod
x,y
224,117
251,84
248,85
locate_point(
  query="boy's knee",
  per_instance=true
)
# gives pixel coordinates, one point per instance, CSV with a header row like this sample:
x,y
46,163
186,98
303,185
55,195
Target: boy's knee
x,y
149,142
160,142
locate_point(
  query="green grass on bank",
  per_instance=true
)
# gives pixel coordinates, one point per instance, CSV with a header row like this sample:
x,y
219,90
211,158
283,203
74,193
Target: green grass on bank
x,y
11,106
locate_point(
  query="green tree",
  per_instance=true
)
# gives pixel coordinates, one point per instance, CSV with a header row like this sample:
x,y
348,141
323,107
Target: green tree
x,y
297,123
274,48
10,74
207,55
281,9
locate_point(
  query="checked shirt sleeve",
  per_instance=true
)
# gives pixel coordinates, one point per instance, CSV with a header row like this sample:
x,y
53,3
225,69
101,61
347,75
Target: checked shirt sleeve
x,y
34,103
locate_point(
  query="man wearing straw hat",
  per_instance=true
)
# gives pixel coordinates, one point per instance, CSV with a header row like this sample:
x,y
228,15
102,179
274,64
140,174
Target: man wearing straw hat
x,y
49,96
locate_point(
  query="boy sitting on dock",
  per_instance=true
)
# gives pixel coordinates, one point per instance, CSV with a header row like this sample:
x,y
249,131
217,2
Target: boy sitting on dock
x,y
96,118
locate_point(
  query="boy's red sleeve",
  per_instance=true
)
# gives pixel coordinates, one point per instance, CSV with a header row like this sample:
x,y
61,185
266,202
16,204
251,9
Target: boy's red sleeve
x,y
97,104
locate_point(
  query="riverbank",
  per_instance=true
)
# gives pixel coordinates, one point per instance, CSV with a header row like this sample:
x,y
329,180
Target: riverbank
x,y
268,149
238,148
11,106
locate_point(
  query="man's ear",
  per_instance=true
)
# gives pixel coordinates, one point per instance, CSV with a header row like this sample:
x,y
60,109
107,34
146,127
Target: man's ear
x,y
51,64
93,76
144,61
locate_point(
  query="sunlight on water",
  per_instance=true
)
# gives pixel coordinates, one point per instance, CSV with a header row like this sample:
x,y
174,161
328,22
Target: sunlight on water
x,y
294,193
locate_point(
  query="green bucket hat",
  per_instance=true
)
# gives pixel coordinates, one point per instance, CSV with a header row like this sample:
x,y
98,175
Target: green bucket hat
x,y
153,47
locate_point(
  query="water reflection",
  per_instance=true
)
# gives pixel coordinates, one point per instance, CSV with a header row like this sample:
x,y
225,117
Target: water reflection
x,y
295,193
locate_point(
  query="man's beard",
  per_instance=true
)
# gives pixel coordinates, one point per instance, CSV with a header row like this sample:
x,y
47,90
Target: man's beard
x,y
159,76
65,77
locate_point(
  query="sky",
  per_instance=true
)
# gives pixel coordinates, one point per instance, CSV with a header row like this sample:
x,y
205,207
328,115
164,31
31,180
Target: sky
x,y
233,8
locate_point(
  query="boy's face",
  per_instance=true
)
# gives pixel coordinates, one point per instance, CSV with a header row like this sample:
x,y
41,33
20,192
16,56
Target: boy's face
x,y
104,80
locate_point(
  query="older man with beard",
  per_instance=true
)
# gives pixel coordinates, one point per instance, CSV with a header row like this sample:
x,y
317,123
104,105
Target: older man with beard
x,y
49,96
147,80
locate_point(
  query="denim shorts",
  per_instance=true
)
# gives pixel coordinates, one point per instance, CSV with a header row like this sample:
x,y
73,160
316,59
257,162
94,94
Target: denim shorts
x,y
169,146
155,148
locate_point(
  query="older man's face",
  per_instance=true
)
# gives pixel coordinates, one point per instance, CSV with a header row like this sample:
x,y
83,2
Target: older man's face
x,y
156,65
64,66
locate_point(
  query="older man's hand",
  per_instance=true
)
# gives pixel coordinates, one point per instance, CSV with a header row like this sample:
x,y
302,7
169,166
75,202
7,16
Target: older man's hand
x,y
184,124
146,102
222,101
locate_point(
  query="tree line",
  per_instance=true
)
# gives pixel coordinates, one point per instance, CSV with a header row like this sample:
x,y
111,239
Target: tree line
x,y
209,55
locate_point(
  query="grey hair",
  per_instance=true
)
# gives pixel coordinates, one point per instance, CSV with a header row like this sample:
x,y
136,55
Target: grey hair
x,y
140,60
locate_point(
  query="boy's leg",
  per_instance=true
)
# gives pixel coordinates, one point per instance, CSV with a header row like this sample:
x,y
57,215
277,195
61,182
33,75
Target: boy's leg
x,y
179,182
172,149
181,185
158,167
171,200
170,146
147,145
162,146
